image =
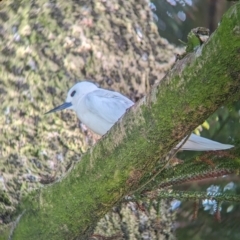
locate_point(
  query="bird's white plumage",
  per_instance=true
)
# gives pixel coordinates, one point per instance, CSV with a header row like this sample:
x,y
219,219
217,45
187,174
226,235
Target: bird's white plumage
x,y
109,105
99,109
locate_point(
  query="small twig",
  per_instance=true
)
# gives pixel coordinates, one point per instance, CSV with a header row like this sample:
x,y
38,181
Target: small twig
x,y
168,158
100,237
14,225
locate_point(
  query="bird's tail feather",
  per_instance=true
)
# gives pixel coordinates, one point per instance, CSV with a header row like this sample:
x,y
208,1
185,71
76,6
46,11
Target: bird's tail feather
x,y
197,143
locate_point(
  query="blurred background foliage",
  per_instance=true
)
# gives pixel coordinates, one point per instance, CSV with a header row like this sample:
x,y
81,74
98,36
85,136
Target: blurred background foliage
x,y
175,18
196,220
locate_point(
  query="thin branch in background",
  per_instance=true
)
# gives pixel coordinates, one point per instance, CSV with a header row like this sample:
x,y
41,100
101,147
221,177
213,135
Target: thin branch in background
x,y
201,176
190,195
196,208
166,159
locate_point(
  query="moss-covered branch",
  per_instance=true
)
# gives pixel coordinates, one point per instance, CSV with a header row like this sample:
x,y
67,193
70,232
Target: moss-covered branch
x,y
193,89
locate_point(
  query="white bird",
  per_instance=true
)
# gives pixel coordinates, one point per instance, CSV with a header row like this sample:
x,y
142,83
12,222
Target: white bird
x,y
99,109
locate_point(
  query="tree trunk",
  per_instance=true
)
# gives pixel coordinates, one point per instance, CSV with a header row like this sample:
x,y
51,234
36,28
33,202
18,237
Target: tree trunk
x,y
46,47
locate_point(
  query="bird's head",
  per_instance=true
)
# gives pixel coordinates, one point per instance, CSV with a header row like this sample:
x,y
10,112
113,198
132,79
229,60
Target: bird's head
x,y
74,95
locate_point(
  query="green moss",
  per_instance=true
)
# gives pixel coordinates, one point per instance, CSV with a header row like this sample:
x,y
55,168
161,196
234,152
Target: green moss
x,y
99,180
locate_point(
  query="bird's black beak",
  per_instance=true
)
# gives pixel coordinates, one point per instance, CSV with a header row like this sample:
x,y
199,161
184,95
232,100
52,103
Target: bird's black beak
x,y
61,107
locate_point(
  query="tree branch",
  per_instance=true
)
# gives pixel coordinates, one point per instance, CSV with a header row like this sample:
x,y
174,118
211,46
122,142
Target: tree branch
x,y
208,165
193,195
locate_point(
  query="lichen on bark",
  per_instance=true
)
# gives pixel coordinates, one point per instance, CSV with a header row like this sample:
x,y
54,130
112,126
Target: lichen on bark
x,y
47,46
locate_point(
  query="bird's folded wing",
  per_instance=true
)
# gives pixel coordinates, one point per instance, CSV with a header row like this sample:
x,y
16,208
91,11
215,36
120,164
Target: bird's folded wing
x,y
107,104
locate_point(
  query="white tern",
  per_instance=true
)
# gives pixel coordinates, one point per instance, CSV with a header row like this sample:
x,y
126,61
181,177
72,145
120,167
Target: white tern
x,y
99,109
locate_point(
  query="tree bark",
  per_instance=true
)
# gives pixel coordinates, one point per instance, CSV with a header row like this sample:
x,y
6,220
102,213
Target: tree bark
x,y
46,47
124,158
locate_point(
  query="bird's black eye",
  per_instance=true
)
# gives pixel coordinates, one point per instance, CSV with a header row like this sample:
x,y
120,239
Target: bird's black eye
x,y
73,93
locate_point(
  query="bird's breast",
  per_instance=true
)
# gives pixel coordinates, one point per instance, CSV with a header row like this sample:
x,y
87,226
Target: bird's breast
x,y
92,120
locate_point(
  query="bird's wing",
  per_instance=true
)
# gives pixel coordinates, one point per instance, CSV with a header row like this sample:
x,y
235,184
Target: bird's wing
x,y
197,143
107,104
